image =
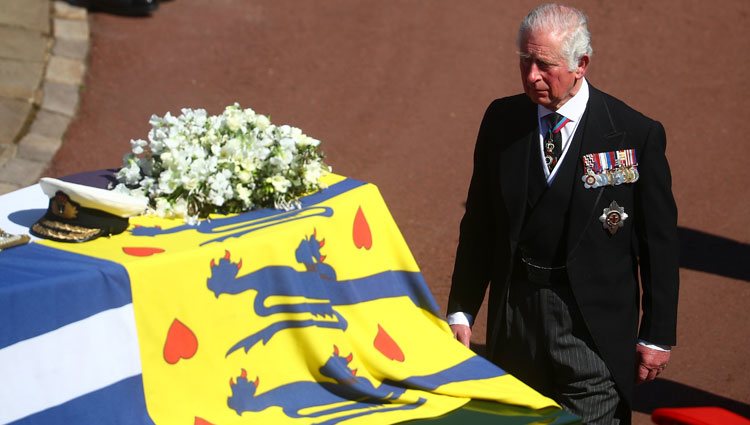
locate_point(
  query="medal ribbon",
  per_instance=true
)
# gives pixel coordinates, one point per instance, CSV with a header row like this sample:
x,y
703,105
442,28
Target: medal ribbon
x,y
630,157
559,126
615,167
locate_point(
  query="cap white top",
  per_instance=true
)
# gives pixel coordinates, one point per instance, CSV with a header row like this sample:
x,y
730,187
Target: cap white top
x,y
115,203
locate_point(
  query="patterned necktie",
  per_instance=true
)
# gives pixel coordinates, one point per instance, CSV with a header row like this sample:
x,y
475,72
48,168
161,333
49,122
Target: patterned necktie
x,y
553,141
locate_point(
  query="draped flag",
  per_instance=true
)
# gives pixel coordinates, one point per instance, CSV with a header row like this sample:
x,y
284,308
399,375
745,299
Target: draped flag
x,y
317,315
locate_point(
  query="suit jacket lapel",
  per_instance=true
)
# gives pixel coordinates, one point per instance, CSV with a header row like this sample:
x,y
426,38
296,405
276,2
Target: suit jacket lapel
x,y
599,135
514,174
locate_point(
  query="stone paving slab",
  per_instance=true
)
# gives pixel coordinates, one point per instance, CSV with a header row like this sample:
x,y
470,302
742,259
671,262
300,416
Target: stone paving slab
x,y
20,79
22,172
36,147
23,44
8,187
7,152
29,14
13,116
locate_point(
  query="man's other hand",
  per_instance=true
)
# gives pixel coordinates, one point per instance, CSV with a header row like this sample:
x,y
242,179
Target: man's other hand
x,y
651,362
462,334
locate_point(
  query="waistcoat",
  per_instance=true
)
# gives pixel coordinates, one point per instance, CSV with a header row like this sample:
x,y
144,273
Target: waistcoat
x,y
543,238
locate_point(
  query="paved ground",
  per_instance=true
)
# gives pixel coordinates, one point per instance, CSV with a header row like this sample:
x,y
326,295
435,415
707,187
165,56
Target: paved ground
x,y
43,47
396,90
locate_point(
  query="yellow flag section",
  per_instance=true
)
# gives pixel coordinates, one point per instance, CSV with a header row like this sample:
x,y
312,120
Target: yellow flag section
x,y
313,316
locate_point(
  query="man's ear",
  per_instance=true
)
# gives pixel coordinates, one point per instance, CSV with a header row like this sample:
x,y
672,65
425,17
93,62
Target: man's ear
x,y
583,64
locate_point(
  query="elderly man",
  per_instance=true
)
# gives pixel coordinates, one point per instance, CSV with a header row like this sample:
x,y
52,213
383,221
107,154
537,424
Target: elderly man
x,y
570,200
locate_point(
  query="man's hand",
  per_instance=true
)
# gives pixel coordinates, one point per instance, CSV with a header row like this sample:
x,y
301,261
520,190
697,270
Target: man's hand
x,y
462,334
650,362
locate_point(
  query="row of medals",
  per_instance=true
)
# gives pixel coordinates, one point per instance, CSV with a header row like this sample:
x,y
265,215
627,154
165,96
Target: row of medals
x,y
619,175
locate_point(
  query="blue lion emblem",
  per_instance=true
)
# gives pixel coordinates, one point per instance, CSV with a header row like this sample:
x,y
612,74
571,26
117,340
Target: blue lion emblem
x,y
344,391
341,388
317,285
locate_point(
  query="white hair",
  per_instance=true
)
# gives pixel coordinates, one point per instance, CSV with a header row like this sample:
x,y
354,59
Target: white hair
x,y
569,23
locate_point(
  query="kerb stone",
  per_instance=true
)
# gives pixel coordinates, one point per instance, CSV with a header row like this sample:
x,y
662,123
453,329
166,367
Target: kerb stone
x,y
71,29
60,97
65,70
50,124
73,49
67,11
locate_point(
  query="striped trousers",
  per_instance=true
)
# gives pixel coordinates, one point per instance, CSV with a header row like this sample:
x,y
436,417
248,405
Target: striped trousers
x,y
548,346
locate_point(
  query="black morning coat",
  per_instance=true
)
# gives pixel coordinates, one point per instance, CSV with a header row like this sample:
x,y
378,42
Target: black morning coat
x,y
603,269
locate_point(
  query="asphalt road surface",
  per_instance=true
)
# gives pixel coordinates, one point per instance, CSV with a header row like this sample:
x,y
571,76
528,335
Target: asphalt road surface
x,y
396,91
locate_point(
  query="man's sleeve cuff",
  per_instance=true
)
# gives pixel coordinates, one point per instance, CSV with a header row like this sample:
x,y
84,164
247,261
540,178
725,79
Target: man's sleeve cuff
x,y
652,346
460,318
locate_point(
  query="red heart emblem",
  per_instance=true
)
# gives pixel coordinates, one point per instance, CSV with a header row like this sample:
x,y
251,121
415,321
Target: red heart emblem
x,y
361,232
181,343
386,345
141,251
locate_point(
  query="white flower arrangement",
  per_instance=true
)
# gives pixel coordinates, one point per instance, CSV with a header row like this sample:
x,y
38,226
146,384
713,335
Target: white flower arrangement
x,y
194,164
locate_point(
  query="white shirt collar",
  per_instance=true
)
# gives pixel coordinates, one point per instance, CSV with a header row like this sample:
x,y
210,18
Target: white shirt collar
x,y
574,108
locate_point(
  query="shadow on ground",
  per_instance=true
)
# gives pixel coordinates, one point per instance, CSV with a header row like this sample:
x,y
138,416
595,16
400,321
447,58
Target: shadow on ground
x,y
713,254
666,393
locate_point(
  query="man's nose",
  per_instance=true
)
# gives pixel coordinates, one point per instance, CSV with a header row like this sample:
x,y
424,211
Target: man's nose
x,y
531,73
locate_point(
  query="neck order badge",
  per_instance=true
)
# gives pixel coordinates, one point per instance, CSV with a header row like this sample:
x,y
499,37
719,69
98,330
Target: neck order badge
x,y
295,317
553,141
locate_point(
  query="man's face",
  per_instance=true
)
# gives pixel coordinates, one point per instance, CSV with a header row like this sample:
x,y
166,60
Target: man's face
x,y
544,71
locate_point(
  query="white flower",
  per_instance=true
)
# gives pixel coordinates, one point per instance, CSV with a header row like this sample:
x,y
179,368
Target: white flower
x,y
244,176
130,173
281,160
288,144
195,164
163,207
167,182
279,183
311,173
262,122
243,193
180,207
235,121
137,146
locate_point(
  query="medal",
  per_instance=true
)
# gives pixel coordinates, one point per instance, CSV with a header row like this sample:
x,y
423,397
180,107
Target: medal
x,y
613,217
589,180
619,177
609,168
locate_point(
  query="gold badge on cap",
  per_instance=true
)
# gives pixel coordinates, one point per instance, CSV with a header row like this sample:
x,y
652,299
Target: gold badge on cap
x,y
613,217
62,206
